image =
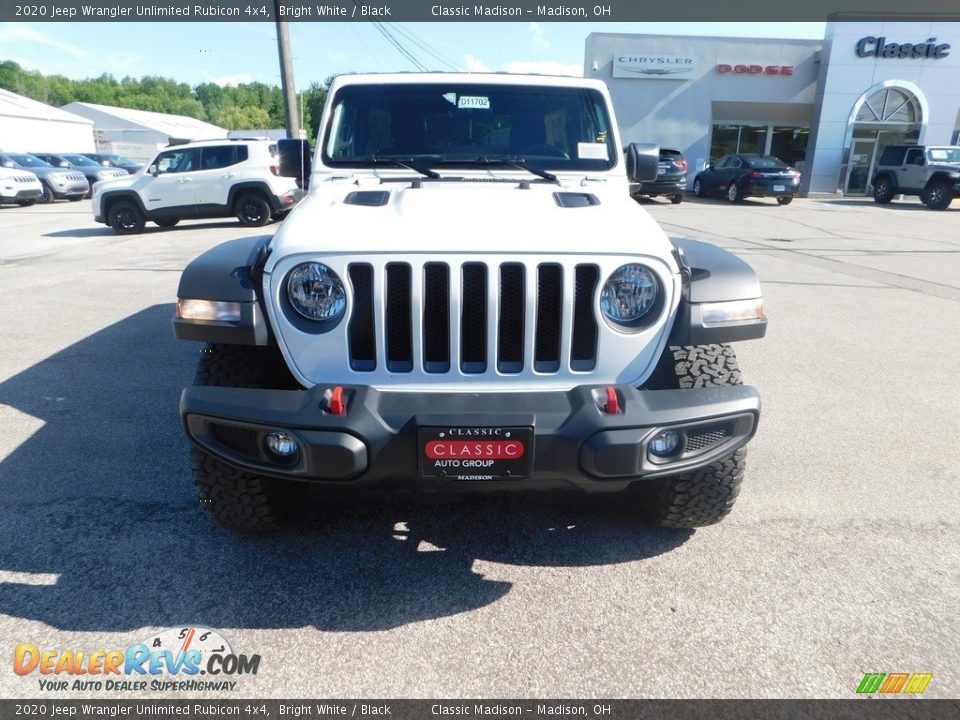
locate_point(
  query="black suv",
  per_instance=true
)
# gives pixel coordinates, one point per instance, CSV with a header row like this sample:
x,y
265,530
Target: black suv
x,y
671,178
931,172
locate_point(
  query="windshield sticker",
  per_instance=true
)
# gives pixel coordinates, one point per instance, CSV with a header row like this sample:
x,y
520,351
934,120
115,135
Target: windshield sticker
x,y
473,101
592,151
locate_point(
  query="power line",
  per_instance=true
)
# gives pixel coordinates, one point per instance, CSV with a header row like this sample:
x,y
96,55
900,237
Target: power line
x,y
398,45
423,45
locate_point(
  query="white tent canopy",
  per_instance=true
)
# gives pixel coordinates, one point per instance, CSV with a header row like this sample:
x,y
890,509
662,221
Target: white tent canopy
x,y
27,125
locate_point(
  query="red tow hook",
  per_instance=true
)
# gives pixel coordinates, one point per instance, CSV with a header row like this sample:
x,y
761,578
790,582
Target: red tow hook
x,y
336,403
613,402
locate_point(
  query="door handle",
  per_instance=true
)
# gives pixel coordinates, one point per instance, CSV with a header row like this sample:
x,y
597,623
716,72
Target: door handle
x,y
228,175
185,180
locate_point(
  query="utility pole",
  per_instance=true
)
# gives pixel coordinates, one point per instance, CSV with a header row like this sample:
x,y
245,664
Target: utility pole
x,y
287,84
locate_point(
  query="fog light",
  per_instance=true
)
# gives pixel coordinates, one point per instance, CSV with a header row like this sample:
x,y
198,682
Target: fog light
x,y
664,442
282,444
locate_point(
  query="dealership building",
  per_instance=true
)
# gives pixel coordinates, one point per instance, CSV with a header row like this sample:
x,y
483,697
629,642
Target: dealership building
x,y
828,107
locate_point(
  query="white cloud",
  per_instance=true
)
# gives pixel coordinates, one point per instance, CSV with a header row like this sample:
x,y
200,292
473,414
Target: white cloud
x,y
473,64
10,32
545,67
233,80
539,38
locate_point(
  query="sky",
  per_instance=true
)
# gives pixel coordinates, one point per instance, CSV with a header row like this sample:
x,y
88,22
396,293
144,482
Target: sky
x,y
231,53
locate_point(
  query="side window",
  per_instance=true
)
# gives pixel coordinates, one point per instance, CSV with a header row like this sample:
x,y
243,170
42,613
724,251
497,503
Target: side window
x,y
178,161
734,162
218,156
914,157
243,152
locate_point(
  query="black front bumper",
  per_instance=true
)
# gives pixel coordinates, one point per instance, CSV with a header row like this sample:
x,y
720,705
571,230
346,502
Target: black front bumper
x,y
576,442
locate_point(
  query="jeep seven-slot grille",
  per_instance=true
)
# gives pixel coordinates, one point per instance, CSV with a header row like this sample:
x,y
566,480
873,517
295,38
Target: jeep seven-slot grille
x,y
458,322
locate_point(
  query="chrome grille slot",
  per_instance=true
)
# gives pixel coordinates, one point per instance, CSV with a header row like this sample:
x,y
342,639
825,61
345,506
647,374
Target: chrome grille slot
x,y
436,318
549,318
398,318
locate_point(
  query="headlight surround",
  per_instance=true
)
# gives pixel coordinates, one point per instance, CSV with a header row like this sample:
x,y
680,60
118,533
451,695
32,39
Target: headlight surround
x,y
630,296
102,175
316,293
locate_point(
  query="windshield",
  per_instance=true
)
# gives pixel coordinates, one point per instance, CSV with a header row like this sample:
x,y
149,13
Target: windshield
x,y
549,127
944,154
29,161
80,160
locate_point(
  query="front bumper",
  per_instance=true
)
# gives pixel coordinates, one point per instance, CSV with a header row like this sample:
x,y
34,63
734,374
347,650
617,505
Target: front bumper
x,y
19,194
73,188
576,442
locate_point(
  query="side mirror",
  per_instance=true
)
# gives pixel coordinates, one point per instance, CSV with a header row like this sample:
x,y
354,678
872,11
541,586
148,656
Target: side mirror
x,y
295,160
643,161
709,166
153,170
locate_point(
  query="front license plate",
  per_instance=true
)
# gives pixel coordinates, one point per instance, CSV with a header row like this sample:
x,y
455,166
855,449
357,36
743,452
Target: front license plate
x,y
779,188
476,453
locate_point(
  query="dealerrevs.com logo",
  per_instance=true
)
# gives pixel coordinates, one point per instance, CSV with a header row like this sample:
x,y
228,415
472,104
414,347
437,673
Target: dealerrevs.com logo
x,y
188,659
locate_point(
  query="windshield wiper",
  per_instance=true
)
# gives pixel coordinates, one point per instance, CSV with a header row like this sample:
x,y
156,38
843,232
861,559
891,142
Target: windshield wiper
x,y
405,163
515,162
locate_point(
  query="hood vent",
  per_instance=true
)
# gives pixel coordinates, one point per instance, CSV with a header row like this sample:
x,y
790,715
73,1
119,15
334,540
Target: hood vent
x,y
367,198
575,200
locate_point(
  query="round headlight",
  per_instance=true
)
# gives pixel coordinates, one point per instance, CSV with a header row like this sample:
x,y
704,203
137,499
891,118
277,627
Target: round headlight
x,y
316,292
629,294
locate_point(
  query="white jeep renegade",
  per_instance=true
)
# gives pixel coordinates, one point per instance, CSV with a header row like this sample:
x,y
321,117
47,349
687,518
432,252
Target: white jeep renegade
x,y
468,297
208,179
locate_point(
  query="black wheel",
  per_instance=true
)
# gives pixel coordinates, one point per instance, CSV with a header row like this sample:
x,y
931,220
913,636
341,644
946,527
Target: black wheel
x,y
734,193
698,188
168,222
704,496
252,209
239,500
883,191
46,194
26,203
938,196
125,218
784,200
676,199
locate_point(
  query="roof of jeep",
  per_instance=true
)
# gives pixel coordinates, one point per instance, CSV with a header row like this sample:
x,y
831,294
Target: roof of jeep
x,y
494,78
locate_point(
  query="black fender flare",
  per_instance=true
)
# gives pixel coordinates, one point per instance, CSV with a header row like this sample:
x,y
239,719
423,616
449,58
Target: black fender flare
x,y
110,197
712,275
941,176
892,177
256,186
229,272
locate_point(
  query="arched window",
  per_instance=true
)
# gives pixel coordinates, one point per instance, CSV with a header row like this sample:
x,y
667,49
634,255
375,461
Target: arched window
x,y
889,106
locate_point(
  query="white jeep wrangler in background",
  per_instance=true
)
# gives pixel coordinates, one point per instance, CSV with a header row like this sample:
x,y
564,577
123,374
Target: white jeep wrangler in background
x,y
202,179
468,296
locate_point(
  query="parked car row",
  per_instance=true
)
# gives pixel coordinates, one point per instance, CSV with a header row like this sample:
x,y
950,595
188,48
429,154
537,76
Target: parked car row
x,y
58,176
733,176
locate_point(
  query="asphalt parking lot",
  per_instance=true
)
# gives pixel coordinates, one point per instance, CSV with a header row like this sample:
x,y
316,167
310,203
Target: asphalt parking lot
x,y
840,558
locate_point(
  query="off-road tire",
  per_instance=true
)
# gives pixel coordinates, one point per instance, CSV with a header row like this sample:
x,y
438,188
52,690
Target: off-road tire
x,y
734,193
883,191
704,496
252,209
938,196
784,200
167,222
676,199
126,218
239,500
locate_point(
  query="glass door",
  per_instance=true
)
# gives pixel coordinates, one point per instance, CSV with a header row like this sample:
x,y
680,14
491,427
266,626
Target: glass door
x,y
860,167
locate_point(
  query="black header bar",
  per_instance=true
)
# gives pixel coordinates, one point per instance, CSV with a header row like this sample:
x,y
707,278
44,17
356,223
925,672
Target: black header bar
x,y
466,11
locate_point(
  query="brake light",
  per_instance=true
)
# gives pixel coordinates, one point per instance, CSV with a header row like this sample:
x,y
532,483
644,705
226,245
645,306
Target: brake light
x,y
682,164
275,169
756,174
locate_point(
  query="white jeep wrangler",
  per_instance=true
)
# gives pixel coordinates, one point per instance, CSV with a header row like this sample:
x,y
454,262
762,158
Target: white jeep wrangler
x,y
468,296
